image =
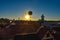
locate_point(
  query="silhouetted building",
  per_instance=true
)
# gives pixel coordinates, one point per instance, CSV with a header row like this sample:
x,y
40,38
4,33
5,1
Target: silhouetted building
x,y
42,19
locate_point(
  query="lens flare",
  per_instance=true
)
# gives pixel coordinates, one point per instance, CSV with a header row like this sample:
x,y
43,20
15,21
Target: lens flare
x,y
27,17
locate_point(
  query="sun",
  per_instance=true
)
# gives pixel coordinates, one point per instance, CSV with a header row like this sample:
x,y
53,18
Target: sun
x,y
27,17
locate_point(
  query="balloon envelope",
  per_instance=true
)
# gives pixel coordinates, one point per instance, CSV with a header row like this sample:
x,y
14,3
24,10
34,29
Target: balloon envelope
x,y
30,12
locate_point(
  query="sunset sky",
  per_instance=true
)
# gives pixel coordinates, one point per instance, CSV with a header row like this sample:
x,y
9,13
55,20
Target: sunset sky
x,y
18,8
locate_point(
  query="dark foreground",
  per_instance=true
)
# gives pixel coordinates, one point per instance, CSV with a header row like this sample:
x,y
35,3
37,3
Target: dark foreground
x,y
26,37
